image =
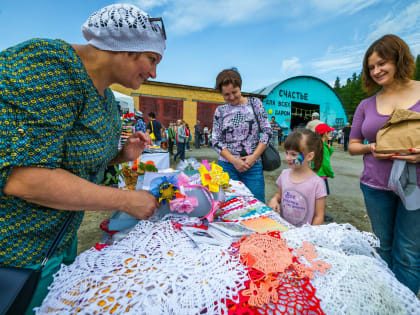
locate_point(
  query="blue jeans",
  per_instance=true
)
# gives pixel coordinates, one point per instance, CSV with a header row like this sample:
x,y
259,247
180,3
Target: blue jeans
x,y
398,230
180,151
252,178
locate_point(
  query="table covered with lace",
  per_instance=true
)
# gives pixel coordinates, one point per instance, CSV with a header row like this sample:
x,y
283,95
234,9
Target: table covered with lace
x,y
157,269
171,264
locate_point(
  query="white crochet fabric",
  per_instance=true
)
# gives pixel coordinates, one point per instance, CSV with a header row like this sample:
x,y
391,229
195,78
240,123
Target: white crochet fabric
x,y
357,282
123,27
155,270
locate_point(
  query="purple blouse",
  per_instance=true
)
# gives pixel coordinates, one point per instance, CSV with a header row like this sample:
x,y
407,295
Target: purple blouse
x,y
366,124
235,128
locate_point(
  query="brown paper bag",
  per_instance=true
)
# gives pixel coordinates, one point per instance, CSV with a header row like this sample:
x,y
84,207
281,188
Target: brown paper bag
x,y
399,133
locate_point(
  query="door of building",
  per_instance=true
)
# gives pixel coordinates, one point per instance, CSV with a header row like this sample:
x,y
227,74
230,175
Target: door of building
x,y
205,113
302,114
166,110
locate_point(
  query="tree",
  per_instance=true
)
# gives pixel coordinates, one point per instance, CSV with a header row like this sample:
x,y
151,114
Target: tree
x,y
417,70
337,84
351,94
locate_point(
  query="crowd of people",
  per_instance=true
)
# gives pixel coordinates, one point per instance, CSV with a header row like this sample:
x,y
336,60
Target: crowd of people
x,y
42,148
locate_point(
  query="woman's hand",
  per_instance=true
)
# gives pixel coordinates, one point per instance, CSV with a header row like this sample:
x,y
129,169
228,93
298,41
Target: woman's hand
x,y
241,165
249,159
411,158
274,204
140,204
380,156
135,145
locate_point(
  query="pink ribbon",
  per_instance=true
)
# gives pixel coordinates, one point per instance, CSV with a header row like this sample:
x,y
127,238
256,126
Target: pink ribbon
x,y
186,204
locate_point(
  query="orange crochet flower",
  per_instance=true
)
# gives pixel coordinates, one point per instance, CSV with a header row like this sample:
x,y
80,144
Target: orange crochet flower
x,y
303,271
320,266
271,254
308,251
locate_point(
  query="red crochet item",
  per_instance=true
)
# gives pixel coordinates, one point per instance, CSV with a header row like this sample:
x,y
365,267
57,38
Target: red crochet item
x,y
279,283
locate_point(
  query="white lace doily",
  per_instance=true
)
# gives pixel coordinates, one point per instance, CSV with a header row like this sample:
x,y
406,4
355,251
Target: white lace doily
x,y
155,270
359,281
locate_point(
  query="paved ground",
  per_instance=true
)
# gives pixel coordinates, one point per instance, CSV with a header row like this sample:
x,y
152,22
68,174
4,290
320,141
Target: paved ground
x,y
345,204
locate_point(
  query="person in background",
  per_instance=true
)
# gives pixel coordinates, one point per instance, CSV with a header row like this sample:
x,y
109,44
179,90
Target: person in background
x,y
171,137
325,170
275,127
330,138
154,127
140,124
54,150
181,138
280,135
301,193
346,136
188,133
164,138
206,135
340,138
388,65
197,135
209,139
314,122
236,137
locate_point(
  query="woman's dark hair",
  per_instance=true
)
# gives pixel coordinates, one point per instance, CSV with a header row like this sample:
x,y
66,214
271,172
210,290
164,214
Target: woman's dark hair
x,y
393,49
151,114
312,143
228,76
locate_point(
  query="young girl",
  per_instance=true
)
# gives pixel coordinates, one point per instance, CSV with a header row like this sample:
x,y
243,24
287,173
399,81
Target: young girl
x,y
301,195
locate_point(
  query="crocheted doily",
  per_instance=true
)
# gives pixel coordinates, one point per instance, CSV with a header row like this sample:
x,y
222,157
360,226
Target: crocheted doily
x,y
155,270
359,282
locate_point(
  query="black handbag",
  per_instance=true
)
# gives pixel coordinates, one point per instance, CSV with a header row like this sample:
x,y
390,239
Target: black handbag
x,y
17,285
270,157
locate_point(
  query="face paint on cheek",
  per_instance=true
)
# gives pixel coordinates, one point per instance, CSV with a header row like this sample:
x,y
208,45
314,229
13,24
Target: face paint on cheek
x,y
299,160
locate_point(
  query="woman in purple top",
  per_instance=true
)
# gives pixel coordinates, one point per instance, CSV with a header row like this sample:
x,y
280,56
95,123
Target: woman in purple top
x,y
235,133
388,64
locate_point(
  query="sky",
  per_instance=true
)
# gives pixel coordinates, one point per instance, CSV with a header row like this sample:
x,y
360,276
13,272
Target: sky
x,y
268,41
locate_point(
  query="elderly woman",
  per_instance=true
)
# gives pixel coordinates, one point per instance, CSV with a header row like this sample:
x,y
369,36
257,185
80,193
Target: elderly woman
x,y
60,128
388,65
235,134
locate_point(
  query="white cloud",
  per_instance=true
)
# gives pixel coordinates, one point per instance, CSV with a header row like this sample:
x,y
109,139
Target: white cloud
x,y
291,66
343,6
186,16
149,4
405,22
192,15
348,59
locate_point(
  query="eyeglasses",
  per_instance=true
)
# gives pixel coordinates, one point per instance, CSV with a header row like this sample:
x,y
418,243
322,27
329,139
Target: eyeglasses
x,y
160,28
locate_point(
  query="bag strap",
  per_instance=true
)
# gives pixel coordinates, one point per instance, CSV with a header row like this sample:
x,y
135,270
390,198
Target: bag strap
x,y
256,117
58,238
151,124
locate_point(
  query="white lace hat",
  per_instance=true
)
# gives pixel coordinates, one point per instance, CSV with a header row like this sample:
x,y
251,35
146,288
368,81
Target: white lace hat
x,y
124,27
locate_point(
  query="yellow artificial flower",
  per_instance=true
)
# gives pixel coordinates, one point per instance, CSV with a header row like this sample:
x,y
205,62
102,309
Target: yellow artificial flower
x,y
214,178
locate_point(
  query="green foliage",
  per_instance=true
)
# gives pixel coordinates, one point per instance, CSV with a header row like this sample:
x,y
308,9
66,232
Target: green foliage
x,y
351,94
115,179
417,71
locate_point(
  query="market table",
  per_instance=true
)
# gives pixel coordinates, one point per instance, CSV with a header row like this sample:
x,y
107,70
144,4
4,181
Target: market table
x,y
157,268
161,160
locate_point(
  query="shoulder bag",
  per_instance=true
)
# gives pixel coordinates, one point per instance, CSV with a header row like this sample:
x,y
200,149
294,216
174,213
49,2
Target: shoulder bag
x,y
270,157
17,285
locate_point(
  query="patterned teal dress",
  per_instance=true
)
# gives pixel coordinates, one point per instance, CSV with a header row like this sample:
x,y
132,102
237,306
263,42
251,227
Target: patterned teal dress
x,y
51,116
